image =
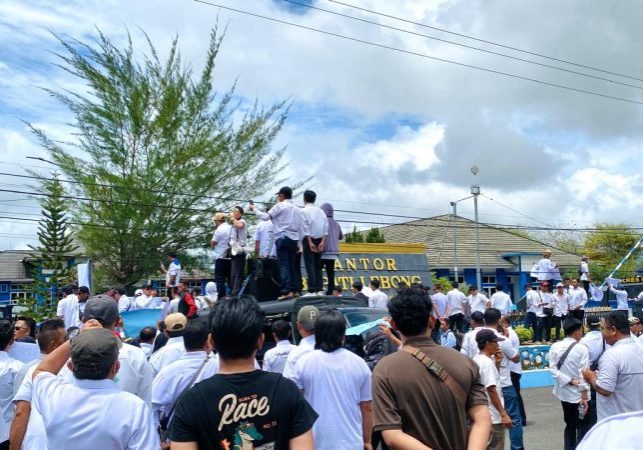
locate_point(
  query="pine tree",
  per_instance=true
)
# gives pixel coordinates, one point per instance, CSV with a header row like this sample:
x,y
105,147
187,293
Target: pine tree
x,y
354,237
375,236
52,269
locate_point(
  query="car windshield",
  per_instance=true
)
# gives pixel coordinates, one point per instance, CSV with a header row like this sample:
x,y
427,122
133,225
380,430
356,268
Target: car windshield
x,y
355,318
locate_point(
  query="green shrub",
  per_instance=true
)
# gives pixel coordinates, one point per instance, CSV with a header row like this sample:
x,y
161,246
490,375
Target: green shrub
x,y
524,334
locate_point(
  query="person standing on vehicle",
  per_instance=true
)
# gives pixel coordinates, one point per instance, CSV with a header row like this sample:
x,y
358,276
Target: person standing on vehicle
x,y
315,229
414,408
337,384
330,255
238,244
566,361
287,221
221,245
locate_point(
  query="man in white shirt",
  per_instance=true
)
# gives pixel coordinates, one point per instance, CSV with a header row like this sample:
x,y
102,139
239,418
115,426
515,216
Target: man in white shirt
x,y
124,302
547,269
509,354
9,368
90,412
337,384
615,433
440,310
315,229
456,301
515,368
621,298
265,240
175,378
476,300
67,308
306,319
287,221
469,344
146,337
595,344
561,309
135,373
566,361
619,381
174,348
275,359
533,318
501,301
144,301
487,341
584,273
173,272
221,245
377,299
577,300
27,431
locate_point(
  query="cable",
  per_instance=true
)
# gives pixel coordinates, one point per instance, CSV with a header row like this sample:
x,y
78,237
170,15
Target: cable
x,y
422,55
540,55
517,212
470,47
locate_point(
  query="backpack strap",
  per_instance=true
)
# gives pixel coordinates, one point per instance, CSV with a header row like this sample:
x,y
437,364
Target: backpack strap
x,y
436,369
561,361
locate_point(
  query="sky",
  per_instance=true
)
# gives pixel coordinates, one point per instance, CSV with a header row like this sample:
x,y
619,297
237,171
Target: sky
x,y
380,130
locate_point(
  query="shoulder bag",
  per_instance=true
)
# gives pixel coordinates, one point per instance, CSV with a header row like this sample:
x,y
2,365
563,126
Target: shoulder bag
x,y
164,420
562,359
436,369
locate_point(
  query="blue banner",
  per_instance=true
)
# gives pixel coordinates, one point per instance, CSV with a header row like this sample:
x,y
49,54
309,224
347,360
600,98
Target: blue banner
x,y
135,321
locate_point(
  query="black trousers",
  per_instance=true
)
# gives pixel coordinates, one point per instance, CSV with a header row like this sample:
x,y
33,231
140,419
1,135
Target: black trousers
x,y
573,433
313,264
586,286
237,266
329,267
222,269
557,321
591,418
546,327
515,381
456,322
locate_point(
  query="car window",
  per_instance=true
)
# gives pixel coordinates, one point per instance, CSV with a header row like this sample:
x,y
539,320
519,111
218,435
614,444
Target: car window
x,y
355,318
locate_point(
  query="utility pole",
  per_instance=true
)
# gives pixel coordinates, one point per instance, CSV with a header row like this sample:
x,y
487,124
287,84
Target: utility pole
x,y
455,242
475,191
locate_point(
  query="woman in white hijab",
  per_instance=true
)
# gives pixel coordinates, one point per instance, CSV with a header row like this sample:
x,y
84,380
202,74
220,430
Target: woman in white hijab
x,y
210,293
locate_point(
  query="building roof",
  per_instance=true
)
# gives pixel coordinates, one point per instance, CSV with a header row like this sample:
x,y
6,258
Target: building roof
x,y
12,267
496,244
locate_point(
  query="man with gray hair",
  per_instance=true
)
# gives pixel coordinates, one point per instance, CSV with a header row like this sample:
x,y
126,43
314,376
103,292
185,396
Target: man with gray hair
x,y
306,319
90,412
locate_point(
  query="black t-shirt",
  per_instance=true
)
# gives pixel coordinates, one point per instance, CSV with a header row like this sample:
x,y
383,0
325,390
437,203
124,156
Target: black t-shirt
x,y
260,409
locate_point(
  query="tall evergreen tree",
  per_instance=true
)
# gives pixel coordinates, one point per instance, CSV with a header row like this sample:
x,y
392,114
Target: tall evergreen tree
x,y
156,152
52,254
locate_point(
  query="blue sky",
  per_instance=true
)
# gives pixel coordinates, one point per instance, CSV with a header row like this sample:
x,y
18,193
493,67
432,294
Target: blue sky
x,y
377,130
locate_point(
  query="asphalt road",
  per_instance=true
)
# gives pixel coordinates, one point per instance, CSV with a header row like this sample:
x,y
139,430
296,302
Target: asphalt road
x,y
545,424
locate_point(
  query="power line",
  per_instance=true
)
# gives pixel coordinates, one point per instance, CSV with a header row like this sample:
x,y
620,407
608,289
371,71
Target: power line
x,y
516,211
540,55
470,47
422,55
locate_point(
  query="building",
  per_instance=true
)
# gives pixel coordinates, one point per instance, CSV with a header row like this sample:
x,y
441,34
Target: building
x,y
17,271
506,257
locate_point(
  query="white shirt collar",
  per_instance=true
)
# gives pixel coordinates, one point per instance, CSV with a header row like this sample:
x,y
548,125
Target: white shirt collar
x,y
95,384
283,343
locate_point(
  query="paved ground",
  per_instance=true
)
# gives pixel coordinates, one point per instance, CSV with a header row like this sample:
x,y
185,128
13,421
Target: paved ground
x,y
545,424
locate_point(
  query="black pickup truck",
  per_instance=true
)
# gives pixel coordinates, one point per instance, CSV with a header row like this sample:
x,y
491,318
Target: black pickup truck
x,y
356,312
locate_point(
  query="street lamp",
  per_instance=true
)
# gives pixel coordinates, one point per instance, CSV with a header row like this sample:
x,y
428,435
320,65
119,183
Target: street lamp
x,y
454,206
475,191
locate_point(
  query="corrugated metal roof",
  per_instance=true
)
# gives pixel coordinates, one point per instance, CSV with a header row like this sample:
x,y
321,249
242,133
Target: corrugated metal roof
x,y
437,234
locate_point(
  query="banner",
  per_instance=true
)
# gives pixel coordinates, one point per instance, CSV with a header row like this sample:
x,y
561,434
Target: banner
x,y
135,321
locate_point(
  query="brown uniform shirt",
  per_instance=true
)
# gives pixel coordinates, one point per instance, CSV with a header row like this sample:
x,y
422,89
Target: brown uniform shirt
x,y
407,396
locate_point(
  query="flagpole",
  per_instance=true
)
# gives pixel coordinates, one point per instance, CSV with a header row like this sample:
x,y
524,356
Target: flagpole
x,y
625,258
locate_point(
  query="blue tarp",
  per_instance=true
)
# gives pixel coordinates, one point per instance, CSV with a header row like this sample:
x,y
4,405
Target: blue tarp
x,y
134,321
359,329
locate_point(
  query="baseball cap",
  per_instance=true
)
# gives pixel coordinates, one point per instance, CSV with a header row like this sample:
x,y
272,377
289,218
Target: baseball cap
x,y
560,285
175,322
102,308
286,191
220,216
593,320
634,320
307,315
83,290
138,292
484,336
94,350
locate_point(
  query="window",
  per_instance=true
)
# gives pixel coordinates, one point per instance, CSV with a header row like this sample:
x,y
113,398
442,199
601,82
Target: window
x,y
460,279
488,279
4,288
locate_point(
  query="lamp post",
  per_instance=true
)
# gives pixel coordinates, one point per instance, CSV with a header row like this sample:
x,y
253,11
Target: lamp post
x,y
454,206
475,191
